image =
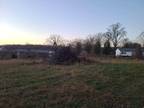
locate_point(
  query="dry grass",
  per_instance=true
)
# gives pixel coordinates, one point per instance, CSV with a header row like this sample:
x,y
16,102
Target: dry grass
x,y
108,83
116,60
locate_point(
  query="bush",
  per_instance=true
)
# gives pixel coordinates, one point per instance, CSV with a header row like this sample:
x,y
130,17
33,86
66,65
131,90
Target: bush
x,y
63,55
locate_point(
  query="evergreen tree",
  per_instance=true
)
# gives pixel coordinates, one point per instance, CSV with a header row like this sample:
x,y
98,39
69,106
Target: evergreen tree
x,y
88,47
78,47
97,48
107,48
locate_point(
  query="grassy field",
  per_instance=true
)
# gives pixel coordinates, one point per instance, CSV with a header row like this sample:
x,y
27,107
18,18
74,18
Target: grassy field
x,y
106,84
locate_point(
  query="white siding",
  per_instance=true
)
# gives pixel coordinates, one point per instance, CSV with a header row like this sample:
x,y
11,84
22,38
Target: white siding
x,y
118,52
143,53
128,53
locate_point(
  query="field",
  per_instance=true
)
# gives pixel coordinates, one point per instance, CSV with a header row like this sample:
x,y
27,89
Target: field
x,y
105,84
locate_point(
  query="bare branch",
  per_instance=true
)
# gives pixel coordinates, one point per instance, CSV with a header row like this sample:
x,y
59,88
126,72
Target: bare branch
x,y
55,39
115,33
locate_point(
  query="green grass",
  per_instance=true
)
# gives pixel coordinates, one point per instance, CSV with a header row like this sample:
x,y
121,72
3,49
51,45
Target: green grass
x,y
99,85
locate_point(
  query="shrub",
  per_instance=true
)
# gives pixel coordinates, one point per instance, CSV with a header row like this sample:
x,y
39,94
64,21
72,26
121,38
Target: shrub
x,y
64,55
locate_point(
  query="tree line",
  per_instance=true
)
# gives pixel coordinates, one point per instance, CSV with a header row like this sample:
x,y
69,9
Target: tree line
x,y
100,43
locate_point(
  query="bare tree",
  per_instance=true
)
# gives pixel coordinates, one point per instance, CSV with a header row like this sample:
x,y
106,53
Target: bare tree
x,y
98,43
93,43
116,33
99,36
88,43
141,38
125,41
55,40
90,39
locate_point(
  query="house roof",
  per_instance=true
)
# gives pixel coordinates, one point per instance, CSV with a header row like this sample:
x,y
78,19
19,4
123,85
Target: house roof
x,y
127,49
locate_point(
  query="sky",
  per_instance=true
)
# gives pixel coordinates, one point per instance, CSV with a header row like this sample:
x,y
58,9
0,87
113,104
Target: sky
x,y
32,21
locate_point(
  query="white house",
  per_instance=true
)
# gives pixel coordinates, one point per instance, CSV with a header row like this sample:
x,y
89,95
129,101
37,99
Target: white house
x,y
125,52
117,52
142,52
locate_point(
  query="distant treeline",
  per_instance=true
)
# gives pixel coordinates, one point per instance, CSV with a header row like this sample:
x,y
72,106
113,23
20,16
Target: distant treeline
x,y
100,43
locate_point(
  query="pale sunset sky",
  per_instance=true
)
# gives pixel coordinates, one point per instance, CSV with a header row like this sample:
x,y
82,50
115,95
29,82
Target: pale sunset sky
x,y
32,21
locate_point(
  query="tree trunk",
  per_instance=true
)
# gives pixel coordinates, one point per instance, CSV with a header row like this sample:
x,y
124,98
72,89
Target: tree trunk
x,y
115,47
